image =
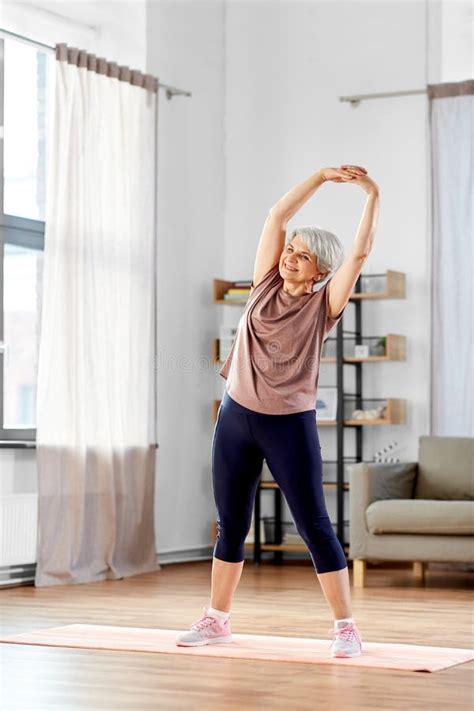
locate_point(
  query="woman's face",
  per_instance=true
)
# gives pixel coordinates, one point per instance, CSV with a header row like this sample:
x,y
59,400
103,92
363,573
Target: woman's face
x,y
298,264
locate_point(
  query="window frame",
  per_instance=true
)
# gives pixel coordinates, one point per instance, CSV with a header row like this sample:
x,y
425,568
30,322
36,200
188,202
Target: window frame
x,y
22,232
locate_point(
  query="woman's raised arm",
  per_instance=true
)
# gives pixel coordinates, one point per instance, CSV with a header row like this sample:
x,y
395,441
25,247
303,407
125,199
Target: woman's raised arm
x,y
290,203
272,239
344,280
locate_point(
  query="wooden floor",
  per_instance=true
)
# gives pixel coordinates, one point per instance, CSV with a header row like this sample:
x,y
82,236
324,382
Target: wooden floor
x,y
275,599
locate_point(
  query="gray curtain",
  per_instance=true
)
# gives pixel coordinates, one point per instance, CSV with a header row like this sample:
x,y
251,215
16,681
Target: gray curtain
x,y
96,514
452,136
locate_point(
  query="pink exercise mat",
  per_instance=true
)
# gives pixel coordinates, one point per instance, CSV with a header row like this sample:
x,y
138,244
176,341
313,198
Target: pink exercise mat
x,y
381,655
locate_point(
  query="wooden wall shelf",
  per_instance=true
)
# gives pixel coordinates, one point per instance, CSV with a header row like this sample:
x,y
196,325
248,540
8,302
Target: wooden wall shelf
x,y
396,415
395,351
289,547
395,289
329,484
220,287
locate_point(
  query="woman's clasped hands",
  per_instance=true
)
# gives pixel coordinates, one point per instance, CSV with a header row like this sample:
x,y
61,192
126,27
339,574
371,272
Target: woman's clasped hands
x,y
350,174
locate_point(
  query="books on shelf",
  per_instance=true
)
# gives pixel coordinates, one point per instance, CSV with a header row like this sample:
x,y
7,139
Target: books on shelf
x,y
239,291
241,296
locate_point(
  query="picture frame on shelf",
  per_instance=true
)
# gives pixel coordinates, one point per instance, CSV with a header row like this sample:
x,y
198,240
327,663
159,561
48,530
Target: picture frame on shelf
x,y
361,350
326,403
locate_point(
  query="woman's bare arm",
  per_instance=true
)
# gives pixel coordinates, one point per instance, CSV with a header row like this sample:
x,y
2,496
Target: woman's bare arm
x,y
367,226
270,246
343,282
272,239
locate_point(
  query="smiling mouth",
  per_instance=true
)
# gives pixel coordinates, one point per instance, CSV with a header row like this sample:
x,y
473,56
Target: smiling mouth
x,y
290,269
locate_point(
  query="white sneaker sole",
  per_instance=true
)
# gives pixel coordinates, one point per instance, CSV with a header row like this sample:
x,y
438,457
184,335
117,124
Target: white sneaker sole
x,y
346,654
211,640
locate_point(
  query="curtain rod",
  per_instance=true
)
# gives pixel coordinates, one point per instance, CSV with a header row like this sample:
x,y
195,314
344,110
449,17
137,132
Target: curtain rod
x,y
170,90
355,100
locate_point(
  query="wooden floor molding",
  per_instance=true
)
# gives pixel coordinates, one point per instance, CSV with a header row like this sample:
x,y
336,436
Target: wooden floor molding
x,y
395,606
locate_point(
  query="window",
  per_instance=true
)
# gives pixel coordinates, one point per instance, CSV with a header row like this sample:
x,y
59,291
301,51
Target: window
x,y
26,111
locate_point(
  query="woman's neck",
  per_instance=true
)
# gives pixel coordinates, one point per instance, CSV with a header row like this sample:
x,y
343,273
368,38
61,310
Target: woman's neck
x,y
297,289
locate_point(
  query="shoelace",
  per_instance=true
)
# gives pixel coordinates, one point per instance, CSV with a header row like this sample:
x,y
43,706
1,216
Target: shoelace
x,y
348,633
203,622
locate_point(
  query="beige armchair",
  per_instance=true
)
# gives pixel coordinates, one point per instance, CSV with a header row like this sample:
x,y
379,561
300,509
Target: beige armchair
x,y
414,511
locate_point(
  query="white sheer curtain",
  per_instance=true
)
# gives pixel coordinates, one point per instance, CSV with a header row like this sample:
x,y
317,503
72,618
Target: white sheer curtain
x,y
452,138
95,398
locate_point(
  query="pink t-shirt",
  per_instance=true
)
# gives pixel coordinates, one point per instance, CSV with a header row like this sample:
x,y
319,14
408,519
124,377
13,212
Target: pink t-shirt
x,y
273,363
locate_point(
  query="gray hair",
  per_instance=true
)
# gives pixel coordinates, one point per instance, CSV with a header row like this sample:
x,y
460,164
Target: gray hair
x,y
326,247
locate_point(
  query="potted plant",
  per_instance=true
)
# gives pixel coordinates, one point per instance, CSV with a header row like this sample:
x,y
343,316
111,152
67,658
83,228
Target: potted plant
x,y
379,348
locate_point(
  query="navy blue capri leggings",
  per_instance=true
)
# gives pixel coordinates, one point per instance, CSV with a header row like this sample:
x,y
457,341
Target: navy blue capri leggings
x,y
290,445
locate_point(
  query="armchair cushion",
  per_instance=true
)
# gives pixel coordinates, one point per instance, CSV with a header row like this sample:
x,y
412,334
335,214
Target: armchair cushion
x,y
445,468
420,516
395,480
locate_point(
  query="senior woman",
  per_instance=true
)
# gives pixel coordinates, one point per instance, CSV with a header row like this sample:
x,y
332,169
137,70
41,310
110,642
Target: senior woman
x,y
300,288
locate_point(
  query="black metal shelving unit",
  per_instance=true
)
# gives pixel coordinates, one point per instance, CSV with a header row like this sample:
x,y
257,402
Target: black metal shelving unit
x,y
395,288
342,397
340,461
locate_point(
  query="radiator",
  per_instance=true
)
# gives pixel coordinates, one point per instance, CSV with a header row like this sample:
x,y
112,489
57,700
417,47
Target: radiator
x,y
18,529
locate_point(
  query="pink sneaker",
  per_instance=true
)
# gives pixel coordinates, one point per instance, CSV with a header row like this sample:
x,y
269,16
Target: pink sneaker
x,y
206,630
347,641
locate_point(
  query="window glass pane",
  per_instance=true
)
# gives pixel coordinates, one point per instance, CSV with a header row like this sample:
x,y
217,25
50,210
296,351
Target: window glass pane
x,y
29,96
23,270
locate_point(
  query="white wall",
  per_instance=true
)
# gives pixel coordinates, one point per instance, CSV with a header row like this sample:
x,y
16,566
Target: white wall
x,y
114,29
456,39
186,50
